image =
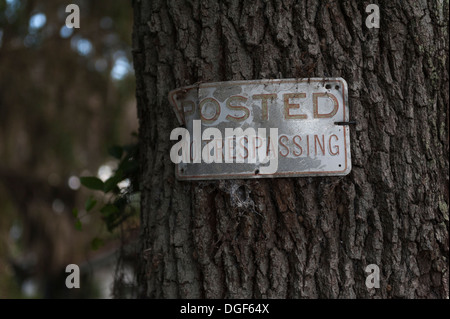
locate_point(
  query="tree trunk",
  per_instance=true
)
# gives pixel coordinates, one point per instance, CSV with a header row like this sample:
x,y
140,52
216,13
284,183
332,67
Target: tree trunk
x,y
300,237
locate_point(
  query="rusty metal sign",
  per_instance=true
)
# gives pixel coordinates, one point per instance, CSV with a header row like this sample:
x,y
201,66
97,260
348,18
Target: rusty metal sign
x,y
262,128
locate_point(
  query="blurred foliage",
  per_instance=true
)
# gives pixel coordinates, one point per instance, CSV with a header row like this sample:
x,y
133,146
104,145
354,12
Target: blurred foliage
x,y
65,96
124,200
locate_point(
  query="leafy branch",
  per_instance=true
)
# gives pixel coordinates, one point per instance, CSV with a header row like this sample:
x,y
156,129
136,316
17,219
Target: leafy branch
x,y
123,202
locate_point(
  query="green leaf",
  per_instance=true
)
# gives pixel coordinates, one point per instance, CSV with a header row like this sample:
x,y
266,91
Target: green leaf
x,y
78,224
90,203
75,212
96,243
92,182
116,151
109,209
112,182
129,166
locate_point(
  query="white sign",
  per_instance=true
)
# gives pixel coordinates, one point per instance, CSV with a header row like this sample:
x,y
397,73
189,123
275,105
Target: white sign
x,y
262,128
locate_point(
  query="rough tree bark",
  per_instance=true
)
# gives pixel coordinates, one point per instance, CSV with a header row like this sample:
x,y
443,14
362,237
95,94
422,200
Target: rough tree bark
x,y
306,237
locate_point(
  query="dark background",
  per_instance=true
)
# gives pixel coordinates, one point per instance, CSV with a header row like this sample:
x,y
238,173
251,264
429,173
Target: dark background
x,y
66,96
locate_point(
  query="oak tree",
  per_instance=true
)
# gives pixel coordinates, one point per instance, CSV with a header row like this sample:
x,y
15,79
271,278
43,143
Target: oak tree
x,y
299,237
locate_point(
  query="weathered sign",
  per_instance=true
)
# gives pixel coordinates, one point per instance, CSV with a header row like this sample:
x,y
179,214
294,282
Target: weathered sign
x,y
262,128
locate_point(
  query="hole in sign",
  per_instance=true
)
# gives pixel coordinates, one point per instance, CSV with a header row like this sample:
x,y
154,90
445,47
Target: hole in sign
x,y
328,86
337,87
257,171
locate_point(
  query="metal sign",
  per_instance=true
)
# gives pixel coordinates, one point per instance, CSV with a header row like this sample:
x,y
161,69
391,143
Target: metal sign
x,y
262,128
